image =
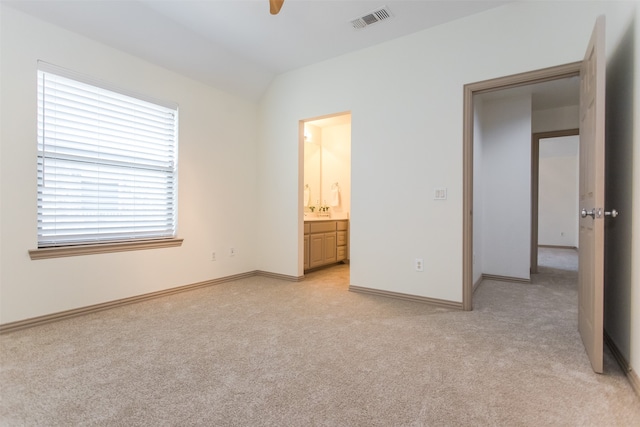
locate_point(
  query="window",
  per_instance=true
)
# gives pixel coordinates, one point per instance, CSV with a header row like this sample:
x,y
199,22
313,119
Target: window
x,y
107,163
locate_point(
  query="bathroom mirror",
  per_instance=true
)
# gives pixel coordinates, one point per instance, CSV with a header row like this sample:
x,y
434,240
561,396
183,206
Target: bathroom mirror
x,y
327,164
312,165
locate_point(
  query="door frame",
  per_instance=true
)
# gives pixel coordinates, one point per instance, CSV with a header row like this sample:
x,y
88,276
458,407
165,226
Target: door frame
x,y
471,89
301,142
535,177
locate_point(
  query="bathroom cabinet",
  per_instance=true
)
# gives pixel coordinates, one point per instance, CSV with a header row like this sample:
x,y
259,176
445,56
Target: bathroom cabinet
x,y
325,242
306,250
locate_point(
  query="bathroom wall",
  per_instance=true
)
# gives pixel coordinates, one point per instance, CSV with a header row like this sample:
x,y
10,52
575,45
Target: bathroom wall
x,y
336,167
313,163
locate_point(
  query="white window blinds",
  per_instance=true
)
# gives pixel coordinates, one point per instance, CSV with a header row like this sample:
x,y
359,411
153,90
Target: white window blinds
x,y
107,165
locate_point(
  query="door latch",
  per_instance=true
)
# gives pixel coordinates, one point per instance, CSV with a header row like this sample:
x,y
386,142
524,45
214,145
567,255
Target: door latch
x,y
597,213
584,213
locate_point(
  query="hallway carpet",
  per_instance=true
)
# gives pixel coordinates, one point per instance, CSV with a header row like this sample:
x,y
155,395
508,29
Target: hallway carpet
x,y
265,352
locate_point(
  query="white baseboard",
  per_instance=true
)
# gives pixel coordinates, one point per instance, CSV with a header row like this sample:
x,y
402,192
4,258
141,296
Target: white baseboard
x,y
407,297
54,317
505,278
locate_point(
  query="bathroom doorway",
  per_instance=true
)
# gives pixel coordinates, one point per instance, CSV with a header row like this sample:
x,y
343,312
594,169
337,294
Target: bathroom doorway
x,y
325,191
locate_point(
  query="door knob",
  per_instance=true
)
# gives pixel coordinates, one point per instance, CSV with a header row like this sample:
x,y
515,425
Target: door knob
x,y
612,214
584,213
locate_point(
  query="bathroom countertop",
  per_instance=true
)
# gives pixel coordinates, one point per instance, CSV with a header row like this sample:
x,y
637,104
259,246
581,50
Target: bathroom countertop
x,y
322,218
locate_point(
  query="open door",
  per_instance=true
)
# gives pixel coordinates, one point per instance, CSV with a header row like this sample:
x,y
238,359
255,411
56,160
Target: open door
x,y
591,236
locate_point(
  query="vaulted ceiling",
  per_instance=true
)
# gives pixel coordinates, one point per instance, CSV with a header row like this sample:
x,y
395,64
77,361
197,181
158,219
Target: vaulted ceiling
x,y
236,44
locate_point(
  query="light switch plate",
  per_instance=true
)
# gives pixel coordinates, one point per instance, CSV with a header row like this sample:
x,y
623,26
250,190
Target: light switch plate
x,y
440,193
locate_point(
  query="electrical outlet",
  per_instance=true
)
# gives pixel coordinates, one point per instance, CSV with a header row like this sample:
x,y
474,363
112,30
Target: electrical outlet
x,y
232,251
213,256
419,264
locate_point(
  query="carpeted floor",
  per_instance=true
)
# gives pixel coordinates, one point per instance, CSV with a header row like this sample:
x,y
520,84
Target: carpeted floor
x,y
264,352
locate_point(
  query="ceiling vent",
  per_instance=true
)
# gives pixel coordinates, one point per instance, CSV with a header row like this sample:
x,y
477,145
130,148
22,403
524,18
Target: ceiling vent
x,y
371,18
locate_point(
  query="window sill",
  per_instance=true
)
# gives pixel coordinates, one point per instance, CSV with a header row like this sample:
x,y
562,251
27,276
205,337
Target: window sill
x,y
102,248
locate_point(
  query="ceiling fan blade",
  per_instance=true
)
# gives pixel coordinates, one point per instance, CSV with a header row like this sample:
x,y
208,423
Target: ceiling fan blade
x,y
275,6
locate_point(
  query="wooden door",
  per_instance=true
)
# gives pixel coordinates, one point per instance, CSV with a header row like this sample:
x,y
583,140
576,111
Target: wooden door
x,y
591,237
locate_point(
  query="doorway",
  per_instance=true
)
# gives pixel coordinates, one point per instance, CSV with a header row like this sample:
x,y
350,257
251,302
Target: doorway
x,y
554,191
325,190
471,90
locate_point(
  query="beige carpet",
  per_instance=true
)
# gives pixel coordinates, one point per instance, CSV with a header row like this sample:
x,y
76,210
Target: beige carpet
x,y
264,352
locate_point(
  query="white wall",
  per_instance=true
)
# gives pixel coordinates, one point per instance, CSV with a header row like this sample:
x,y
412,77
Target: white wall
x,y
506,187
406,140
622,253
313,163
478,201
406,137
634,283
558,191
336,166
217,179
561,118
